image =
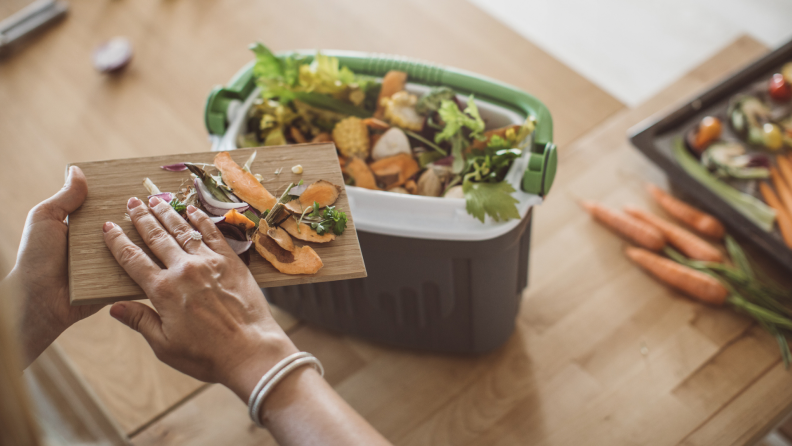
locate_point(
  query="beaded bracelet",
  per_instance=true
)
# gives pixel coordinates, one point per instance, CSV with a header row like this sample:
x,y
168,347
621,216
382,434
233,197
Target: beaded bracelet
x,y
274,376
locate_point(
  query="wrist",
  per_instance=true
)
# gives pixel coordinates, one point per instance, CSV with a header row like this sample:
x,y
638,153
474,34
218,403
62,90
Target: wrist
x,y
35,328
244,376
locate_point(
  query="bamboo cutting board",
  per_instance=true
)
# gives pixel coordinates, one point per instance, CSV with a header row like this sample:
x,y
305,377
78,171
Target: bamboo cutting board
x,y
96,277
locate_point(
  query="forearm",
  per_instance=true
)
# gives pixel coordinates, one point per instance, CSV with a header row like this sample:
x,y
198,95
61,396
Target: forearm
x,y
304,409
34,330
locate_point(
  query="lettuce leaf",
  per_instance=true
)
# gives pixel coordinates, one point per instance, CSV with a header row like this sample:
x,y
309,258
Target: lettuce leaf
x,y
455,120
274,75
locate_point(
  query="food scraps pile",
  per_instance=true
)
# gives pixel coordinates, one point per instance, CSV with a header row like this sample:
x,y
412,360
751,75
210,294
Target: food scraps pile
x,y
748,163
249,215
695,266
389,139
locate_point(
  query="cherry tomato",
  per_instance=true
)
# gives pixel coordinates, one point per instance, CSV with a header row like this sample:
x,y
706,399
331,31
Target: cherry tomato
x,y
772,136
779,88
709,130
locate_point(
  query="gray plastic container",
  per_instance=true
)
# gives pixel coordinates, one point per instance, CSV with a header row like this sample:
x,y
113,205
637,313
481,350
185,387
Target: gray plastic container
x,y
438,295
438,280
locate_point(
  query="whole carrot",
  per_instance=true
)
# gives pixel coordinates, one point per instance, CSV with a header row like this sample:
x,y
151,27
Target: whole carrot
x,y
691,282
785,166
641,233
784,193
701,222
782,216
687,242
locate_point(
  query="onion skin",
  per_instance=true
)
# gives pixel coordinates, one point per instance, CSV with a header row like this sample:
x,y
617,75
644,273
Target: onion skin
x,y
213,205
178,167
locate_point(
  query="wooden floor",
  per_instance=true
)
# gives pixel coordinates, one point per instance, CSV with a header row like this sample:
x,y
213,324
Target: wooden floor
x,y
601,354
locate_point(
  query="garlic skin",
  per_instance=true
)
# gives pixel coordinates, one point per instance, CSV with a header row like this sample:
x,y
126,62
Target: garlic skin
x,y
298,169
429,184
391,143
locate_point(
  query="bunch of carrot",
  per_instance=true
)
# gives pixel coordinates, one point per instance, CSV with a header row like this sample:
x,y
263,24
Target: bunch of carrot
x,y
695,266
780,199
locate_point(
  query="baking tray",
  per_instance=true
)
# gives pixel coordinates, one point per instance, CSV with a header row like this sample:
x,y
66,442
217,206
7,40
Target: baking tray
x,y
655,139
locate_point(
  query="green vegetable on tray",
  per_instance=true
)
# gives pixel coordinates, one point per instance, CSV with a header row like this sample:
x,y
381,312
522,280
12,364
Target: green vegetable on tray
x,y
751,207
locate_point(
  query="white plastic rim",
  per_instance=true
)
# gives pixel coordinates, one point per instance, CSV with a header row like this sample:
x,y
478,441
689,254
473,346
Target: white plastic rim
x,y
415,216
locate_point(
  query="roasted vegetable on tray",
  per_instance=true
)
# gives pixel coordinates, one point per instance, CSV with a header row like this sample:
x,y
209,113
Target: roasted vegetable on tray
x,y
388,138
697,268
247,214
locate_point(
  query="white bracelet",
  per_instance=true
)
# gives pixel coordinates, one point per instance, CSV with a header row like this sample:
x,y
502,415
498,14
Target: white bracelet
x,y
274,376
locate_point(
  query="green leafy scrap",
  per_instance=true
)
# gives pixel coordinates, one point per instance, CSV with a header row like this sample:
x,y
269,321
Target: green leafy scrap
x,y
493,199
326,220
178,206
456,124
276,76
431,101
325,75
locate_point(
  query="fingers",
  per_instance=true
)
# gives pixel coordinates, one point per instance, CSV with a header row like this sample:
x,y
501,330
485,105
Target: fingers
x,y
66,201
176,225
141,318
162,244
135,262
211,235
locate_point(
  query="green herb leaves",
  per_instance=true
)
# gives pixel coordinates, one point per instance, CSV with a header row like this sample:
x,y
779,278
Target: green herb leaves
x,y
328,219
493,199
178,206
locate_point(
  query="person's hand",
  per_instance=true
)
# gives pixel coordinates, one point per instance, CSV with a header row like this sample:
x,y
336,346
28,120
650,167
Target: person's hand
x,y
40,276
210,319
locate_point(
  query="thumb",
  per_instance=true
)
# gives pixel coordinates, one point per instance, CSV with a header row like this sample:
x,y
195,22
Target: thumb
x,y
139,317
69,198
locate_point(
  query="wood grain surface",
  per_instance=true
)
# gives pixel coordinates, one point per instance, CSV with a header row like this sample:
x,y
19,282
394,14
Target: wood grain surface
x,y
609,358
95,276
65,406
57,109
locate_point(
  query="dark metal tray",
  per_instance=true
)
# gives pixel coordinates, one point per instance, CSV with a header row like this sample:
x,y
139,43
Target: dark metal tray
x,y
655,139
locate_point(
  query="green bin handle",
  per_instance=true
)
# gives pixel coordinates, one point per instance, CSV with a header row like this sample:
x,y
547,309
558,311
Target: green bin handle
x,y
537,179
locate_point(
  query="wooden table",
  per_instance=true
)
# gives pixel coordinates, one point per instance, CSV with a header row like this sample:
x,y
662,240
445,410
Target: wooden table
x,y
602,354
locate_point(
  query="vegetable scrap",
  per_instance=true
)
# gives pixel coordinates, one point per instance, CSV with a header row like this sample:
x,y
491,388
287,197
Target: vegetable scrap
x,y
248,215
694,266
388,138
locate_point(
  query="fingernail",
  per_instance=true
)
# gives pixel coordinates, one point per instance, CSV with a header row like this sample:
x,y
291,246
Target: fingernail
x,y
134,202
118,310
108,226
153,201
191,209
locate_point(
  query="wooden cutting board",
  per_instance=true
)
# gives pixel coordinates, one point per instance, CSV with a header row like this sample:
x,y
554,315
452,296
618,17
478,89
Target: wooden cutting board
x,y
96,277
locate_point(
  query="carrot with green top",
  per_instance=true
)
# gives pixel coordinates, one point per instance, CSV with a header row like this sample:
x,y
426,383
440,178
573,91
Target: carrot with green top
x,y
639,232
699,221
687,242
691,282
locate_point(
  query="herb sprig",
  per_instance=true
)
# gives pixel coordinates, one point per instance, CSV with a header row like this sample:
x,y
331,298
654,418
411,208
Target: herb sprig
x,y
326,220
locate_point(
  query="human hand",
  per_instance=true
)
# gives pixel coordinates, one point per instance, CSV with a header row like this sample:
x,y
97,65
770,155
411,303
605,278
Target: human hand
x,y
40,275
210,319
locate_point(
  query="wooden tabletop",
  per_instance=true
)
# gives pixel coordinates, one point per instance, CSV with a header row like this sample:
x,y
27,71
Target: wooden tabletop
x,y
602,354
